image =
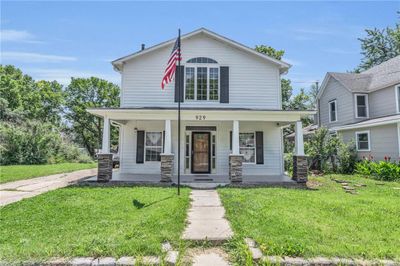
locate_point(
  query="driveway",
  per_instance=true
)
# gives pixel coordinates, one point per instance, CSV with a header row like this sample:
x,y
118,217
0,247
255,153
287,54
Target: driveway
x,y
18,190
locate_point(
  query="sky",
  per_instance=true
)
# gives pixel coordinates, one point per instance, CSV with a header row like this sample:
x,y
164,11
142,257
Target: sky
x,y
54,40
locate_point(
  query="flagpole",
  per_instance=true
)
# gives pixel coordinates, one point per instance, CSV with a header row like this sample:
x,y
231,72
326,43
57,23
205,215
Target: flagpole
x,y
179,114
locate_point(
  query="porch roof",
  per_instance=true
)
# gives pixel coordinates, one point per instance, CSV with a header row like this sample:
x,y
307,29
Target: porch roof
x,y
200,113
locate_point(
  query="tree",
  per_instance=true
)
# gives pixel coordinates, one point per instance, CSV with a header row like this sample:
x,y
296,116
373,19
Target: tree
x,y
83,93
286,86
313,95
268,50
379,46
36,100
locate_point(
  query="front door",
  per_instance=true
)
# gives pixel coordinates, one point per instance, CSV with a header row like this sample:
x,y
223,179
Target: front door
x,y
201,152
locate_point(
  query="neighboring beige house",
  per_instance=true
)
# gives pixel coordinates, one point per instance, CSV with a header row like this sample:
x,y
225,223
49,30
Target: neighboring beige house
x,y
364,108
232,115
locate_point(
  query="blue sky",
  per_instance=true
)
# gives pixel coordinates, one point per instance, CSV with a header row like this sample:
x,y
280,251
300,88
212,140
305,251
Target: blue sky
x,y
56,40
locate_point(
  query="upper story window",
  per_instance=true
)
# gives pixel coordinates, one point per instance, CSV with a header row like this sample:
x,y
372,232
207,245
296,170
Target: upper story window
x,y
361,102
398,98
333,111
202,79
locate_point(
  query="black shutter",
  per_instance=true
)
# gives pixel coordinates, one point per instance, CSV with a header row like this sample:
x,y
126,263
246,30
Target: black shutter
x,y
179,75
224,92
260,147
163,141
140,147
230,140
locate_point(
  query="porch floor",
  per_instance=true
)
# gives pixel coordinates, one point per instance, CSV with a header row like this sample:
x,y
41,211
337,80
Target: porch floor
x,y
197,180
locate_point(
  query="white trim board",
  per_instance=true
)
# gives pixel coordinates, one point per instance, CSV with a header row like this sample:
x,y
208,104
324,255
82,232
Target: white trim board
x,y
371,123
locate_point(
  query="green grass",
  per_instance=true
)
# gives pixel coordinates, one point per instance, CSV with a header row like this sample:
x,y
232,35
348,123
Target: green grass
x,y
11,173
88,221
322,222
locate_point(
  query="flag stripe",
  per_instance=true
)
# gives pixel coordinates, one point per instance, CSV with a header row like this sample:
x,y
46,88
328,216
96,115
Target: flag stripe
x,y
174,57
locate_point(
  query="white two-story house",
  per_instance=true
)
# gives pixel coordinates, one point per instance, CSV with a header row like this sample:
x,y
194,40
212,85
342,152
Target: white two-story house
x,y
231,118
364,108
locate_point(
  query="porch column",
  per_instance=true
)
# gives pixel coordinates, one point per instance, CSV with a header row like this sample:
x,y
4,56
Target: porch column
x,y
105,147
235,159
167,158
105,158
300,164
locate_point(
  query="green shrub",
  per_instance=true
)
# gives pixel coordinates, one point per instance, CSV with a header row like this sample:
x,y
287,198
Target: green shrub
x,y
384,170
34,142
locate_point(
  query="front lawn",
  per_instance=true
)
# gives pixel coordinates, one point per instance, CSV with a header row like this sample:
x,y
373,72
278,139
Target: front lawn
x,y
89,221
11,173
322,222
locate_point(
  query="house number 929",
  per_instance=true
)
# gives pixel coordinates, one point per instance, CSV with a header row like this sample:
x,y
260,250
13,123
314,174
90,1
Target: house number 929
x,y
200,117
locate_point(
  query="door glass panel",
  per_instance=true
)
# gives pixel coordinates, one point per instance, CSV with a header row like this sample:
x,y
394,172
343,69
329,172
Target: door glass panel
x,y
201,152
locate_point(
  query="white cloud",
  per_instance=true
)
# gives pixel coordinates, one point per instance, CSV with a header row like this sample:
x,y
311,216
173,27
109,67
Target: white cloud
x,y
35,57
18,36
64,75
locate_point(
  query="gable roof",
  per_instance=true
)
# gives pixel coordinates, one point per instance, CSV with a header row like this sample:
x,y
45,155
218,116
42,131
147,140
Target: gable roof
x,y
376,78
283,66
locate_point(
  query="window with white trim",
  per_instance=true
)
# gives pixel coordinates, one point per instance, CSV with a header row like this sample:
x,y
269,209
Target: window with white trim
x,y
202,79
247,147
363,141
153,146
398,98
361,101
333,111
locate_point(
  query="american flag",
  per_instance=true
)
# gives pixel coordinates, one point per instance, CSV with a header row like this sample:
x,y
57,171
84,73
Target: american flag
x,y
171,65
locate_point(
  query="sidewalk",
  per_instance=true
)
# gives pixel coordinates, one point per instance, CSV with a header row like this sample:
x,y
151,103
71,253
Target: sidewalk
x,y
206,219
18,190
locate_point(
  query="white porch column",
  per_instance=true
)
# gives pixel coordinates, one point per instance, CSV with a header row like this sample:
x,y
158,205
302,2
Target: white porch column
x,y
299,142
167,144
235,138
105,147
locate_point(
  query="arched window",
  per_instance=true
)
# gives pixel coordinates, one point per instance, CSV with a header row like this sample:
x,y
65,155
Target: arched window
x,y
202,60
202,79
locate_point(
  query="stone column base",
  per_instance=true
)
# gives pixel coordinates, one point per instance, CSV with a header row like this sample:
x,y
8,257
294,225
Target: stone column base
x,y
300,169
167,166
235,168
105,167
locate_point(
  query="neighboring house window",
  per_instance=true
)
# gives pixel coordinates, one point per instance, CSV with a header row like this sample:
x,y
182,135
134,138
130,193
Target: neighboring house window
x,y
361,101
333,111
363,141
398,98
247,146
202,79
153,146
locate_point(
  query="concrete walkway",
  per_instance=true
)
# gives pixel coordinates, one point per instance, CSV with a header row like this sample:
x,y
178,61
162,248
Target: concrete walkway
x,y
18,190
206,218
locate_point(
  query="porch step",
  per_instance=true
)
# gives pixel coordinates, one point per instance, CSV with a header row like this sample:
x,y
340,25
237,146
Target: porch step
x,y
203,179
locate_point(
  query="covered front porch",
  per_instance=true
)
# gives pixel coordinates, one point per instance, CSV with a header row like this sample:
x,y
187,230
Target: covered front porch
x,y
219,146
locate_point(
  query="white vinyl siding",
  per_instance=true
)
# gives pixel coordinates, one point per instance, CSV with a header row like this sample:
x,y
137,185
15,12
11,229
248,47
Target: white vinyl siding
x,y
398,98
273,150
253,82
361,105
383,102
345,104
384,141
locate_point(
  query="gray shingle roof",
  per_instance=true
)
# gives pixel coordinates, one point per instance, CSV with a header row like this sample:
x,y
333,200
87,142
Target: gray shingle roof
x,y
375,78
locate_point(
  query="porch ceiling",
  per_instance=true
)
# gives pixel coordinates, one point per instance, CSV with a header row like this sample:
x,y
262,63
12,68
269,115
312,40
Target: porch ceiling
x,y
200,114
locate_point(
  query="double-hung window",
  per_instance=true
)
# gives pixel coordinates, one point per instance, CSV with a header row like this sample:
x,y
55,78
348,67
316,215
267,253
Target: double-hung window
x,y
202,79
398,98
363,141
333,111
247,147
153,146
361,101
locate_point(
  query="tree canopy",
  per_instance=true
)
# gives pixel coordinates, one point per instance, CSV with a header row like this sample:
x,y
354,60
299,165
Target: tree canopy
x,y
83,93
379,46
